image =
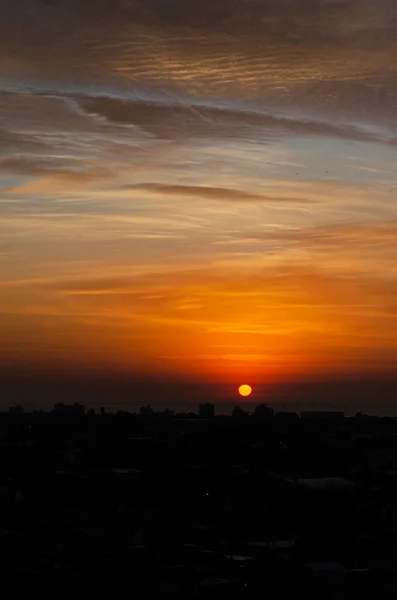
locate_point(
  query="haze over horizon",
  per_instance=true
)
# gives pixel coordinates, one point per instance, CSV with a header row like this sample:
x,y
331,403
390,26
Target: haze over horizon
x,y
198,192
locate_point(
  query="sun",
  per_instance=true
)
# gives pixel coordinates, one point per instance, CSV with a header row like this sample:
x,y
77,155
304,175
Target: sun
x,y
245,390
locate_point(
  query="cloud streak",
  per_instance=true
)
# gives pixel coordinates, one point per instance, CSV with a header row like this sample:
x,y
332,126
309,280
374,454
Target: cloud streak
x,y
173,119
212,193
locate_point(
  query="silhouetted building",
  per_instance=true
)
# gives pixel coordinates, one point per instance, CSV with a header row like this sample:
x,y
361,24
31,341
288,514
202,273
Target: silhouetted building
x,y
263,412
69,409
206,411
324,415
168,413
326,484
238,413
146,411
16,410
188,505
287,417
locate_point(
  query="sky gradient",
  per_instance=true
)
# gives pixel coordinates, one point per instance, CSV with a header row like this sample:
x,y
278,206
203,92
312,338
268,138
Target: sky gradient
x,y
199,191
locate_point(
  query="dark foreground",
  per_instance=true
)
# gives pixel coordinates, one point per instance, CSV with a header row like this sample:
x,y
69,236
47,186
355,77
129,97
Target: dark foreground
x,y
126,506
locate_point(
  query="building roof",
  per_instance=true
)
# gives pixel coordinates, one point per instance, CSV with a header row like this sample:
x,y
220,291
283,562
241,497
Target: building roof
x,y
326,483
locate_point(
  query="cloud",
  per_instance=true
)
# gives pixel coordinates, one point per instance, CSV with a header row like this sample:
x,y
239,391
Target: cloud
x,y
92,286
212,193
353,234
127,83
52,130
176,120
299,314
260,104
66,170
332,55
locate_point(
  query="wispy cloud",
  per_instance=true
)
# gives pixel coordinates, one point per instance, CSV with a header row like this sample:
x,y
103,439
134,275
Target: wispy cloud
x,y
173,119
212,193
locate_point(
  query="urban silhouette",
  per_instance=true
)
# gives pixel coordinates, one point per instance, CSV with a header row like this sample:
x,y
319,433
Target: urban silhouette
x,y
171,505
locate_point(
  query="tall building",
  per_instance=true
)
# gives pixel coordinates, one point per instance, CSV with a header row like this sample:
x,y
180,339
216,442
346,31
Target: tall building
x,y
146,411
263,412
206,411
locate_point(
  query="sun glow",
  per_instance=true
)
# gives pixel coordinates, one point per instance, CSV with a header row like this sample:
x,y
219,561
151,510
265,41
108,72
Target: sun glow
x,y
245,390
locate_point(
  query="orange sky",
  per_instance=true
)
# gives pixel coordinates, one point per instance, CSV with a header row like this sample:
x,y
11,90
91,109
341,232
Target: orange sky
x,y
180,200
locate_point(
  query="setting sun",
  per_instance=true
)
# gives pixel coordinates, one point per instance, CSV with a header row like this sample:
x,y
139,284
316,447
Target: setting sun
x,y
245,390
